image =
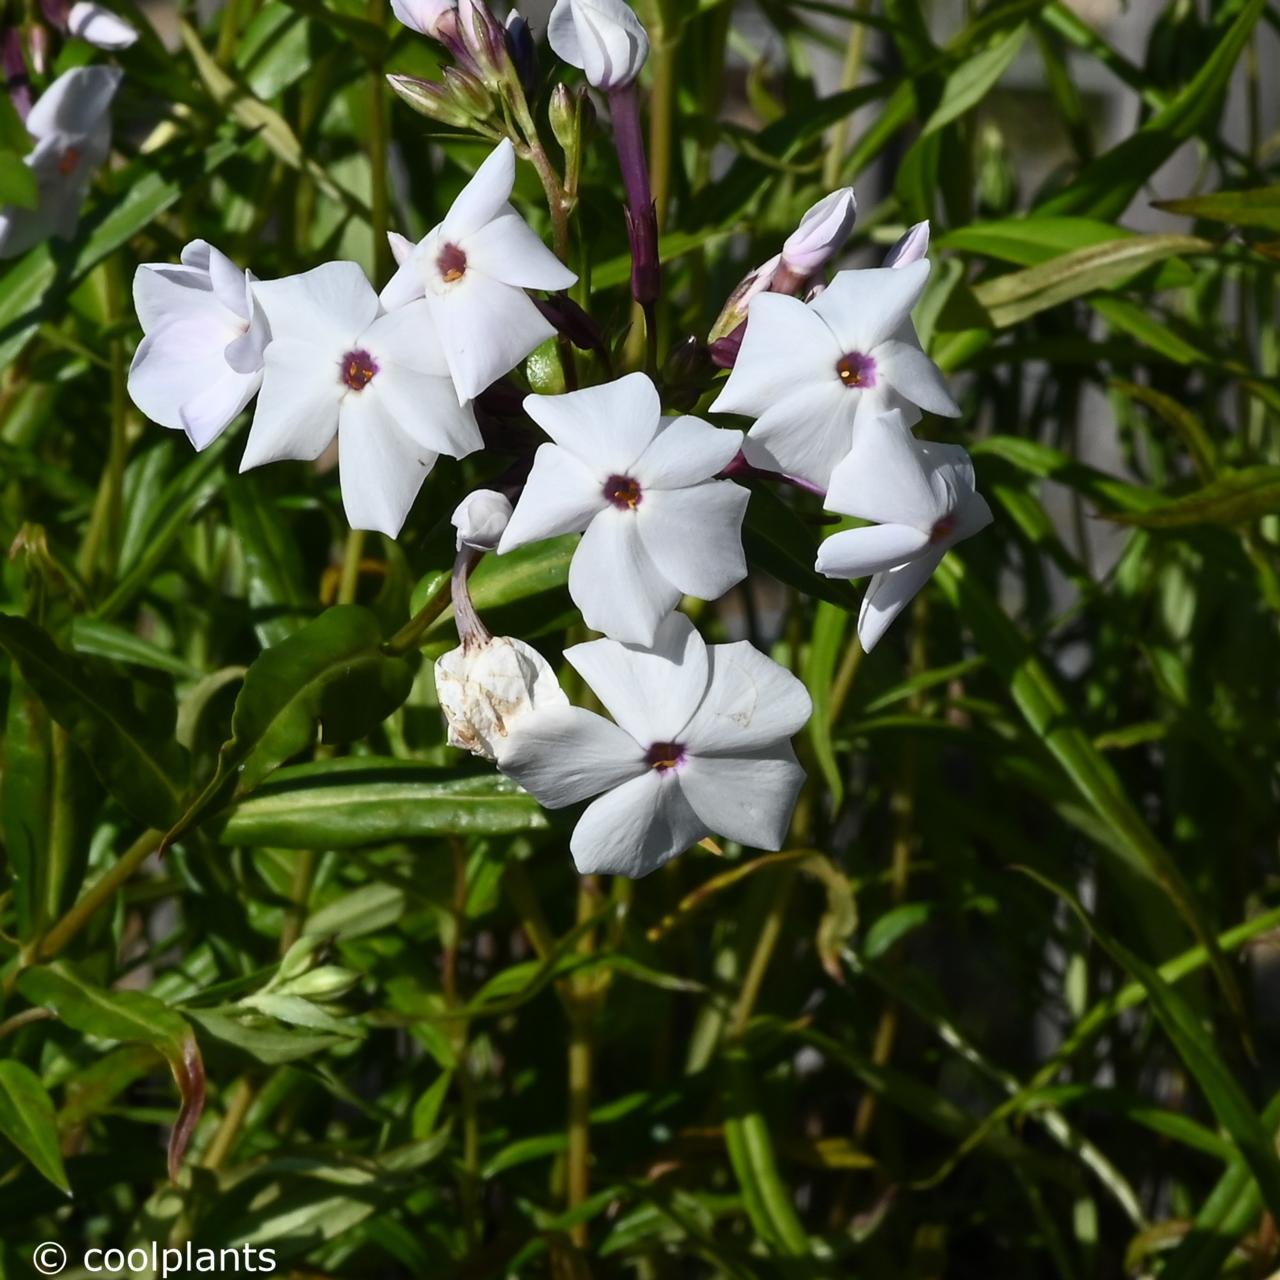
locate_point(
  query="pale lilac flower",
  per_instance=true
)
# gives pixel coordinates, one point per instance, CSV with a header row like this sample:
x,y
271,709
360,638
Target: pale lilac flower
x,y
699,745
99,26
335,363
913,246
200,361
602,37
658,525
481,518
423,16
71,125
809,373
821,235
923,500
473,269
487,686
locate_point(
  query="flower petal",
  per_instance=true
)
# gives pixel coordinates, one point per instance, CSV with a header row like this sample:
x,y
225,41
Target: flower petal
x,y
913,375
408,337
425,408
636,828
786,347
884,477
686,451
329,306
407,283
486,329
297,412
228,283
173,365
607,427
508,250
651,692
166,294
380,468
748,798
863,308
561,755
751,704
560,496
485,196
209,410
77,102
807,434
890,592
855,553
695,535
615,583
99,26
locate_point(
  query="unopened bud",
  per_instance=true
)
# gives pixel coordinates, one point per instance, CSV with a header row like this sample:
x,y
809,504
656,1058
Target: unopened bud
x,y
429,99
423,16
821,234
468,93
481,519
486,688
735,310
603,37
328,982
911,248
523,52
484,39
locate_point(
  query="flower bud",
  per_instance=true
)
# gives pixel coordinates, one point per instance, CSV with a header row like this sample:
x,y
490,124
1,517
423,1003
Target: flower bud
x,y
98,26
603,37
481,518
735,309
14,66
485,688
523,52
468,93
821,234
423,16
328,982
484,40
911,248
429,99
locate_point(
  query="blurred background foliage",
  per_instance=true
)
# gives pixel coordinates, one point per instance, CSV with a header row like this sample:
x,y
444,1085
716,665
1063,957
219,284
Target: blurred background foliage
x,y
1009,1003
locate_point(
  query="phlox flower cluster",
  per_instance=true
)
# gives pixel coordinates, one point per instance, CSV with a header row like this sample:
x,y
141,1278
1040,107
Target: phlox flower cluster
x,y
831,376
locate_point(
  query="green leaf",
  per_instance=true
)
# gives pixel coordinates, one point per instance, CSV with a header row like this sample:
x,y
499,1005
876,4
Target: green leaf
x,y
778,541
1019,294
1030,240
260,1038
17,181
1255,207
131,1017
1235,497
342,804
27,1120
26,787
13,133
830,625
332,671
101,639
136,758
974,78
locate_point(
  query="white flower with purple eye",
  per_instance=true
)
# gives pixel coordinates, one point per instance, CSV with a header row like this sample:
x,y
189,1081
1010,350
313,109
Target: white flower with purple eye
x,y
473,270
423,16
657,523
923,500
99,26
71,125
336,363
699,745
200,361
809,373
602,37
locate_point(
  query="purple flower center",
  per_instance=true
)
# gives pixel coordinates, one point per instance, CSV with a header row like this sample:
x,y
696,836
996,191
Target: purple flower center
x,y
357,369
452,263
665,756
856,370
624,492
943,529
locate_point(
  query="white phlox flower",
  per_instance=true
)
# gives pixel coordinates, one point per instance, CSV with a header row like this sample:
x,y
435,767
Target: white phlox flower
x,y
422,16
602,37
473,269
99,26
923,501
699,745
336,363
71,125
657,524
481,518
200,361
810,372
486,687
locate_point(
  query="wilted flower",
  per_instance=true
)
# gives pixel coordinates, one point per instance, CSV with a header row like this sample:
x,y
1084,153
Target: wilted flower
x,y
658,525
200,361
71,125
699,745
423,16
480,519
923,500
473,270
913,246
487,686
821,234
335,364
812,372
99,26
603,37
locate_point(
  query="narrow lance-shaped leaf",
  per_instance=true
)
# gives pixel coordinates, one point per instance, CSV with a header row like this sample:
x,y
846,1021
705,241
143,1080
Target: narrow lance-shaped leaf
x,y
27,1120
1235,497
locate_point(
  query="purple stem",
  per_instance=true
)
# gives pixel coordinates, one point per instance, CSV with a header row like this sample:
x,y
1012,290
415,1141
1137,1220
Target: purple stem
x,y
471,631
16,81
642,213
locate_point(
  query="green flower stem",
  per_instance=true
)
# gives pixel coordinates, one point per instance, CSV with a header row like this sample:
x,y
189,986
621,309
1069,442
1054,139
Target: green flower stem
x,y
238,1102
849,74
377,134
584,999
408,636
766,944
